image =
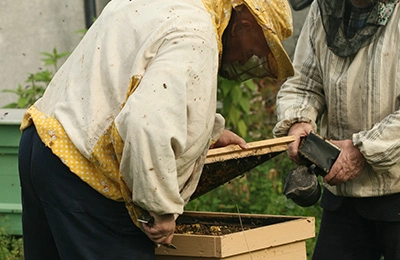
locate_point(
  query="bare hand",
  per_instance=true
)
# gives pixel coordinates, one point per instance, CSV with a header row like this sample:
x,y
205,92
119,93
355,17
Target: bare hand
x,y
162,230
348,165
298,130
228,138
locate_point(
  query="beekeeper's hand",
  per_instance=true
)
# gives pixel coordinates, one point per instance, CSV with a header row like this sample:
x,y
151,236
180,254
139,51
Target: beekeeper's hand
x,y
228,138
161,229
348,165
298,130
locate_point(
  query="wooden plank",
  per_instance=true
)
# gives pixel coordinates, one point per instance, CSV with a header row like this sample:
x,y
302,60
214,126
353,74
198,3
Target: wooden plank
x,y
199,246
268,236
224,164
292,251
255,149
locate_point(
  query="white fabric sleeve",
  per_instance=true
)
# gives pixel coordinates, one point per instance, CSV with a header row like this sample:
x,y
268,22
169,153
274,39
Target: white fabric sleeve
x,y
219,127
380,145
167,122
301,97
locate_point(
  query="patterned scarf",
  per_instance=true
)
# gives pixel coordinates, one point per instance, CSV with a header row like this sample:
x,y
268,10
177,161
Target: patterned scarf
x,y
334,14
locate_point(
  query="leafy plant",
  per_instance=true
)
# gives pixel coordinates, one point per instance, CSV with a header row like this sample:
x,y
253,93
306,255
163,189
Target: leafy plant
x,y
36,82
11,247
235,99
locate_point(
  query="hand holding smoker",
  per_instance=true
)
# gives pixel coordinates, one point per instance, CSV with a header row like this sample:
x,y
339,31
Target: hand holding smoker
x,y
301,183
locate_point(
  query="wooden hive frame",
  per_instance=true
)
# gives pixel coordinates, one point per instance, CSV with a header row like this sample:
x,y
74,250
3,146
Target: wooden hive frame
x,y
226,163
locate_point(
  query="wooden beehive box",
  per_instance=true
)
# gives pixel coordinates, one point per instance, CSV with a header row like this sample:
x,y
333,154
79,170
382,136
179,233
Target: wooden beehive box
x,y
254,236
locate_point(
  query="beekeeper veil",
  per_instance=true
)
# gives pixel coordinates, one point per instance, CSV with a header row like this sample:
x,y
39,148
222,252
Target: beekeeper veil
x,y
275,19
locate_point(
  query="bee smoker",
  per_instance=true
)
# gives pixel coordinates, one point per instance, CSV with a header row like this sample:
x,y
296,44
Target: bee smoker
x,y
301,183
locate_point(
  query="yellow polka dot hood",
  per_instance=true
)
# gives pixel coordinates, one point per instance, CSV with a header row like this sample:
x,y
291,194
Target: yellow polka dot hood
x,y
274,17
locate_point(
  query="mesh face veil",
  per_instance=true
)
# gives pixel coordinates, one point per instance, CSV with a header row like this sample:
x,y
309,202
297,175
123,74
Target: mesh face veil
x,y
275,19
255,67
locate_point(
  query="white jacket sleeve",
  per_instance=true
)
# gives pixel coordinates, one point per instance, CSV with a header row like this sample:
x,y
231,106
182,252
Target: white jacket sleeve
x,y
168,121
301,98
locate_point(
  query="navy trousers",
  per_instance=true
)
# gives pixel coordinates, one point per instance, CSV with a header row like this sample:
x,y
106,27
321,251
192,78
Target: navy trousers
x,y
64,218
359,228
